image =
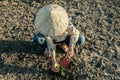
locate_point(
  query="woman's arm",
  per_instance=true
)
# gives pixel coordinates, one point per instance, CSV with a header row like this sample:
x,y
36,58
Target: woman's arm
x,y
74,33
52,49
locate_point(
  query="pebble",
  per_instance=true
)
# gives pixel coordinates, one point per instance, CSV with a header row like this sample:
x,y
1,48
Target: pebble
x,y
5,3
30,64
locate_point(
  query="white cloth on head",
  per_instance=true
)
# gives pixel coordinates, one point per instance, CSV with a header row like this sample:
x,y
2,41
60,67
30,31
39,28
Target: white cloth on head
x,y
51,20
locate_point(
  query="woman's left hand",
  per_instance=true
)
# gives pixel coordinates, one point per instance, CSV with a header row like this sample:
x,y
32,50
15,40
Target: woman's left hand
x,y
70,52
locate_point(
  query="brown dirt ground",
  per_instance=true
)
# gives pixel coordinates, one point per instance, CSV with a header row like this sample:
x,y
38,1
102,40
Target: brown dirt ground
x,y
97,59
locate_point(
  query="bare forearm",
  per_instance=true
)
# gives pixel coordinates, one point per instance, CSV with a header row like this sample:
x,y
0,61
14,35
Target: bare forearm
x,y
53,55
52,48
71,48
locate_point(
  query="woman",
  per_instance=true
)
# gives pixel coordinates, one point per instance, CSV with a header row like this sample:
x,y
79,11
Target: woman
x,y
54,28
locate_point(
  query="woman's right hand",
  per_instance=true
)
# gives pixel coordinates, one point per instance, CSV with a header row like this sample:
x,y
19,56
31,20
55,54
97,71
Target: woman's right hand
x,y
55,67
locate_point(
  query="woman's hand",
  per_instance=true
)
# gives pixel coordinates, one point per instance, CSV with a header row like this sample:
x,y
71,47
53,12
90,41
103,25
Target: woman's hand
x,y
66,60
55,67
70,51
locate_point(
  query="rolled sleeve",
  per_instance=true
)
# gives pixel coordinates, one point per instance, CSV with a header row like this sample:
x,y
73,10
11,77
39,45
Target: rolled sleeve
x,y
74,33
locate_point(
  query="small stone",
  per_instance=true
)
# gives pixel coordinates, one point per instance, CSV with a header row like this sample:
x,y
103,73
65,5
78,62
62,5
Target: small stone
x,y
14,3
30,64
106,74
105,23
118,69
1,76
5,3
62,73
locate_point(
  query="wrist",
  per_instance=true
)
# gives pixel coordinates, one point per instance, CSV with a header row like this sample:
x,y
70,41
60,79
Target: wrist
x,y
71,46
54,61
53,56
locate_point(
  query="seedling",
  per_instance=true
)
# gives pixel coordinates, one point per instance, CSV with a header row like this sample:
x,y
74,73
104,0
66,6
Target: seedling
x,y
61,69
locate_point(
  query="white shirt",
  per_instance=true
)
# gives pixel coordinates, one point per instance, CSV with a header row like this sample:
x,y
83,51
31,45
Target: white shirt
x,y
71,30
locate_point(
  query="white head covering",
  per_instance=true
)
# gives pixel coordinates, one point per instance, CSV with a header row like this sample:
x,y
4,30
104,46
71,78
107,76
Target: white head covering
x,y
51,20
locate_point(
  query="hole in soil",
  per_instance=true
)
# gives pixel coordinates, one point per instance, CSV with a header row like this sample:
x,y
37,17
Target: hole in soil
x,y
98,65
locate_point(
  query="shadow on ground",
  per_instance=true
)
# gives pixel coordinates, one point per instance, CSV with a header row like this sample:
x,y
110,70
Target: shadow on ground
x,y
19,46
